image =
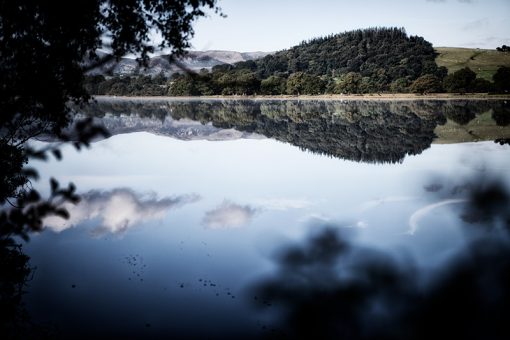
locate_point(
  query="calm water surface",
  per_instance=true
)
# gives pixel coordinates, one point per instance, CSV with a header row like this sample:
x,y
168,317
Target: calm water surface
x,y
185,206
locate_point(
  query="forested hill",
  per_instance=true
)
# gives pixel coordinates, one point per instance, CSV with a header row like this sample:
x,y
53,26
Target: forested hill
x,y
382,53
372,60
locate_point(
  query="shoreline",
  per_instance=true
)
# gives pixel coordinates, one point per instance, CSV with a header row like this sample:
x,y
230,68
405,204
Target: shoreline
x,y
332,97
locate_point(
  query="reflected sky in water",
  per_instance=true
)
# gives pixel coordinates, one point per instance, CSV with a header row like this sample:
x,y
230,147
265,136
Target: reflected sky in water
x,y
170,231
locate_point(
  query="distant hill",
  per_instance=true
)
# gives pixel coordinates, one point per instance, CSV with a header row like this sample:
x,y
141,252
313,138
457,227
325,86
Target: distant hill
x,y
193,60
372,60
483,62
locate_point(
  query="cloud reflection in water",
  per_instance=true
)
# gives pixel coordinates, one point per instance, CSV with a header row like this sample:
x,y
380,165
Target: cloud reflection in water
x,y
119,210
228,215
233,215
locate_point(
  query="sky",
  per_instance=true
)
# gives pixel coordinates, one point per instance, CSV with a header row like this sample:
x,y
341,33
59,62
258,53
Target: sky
x,y
271,25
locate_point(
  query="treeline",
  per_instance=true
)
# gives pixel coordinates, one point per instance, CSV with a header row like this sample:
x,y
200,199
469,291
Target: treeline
x,y
373,60
127,86
242,82
463,81
503,48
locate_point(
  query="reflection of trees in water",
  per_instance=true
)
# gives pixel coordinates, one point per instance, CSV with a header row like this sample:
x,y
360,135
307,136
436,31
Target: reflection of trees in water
x,y
330,287
367,131
354,131
460,114
502,141
501,114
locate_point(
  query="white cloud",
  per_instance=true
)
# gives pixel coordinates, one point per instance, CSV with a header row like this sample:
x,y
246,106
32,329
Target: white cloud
x,y
228,215
118,209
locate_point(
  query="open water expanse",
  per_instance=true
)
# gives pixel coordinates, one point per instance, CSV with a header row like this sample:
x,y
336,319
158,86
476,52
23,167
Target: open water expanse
x,y
197,216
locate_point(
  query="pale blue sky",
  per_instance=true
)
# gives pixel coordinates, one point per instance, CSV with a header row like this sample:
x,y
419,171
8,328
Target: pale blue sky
x,y
269,25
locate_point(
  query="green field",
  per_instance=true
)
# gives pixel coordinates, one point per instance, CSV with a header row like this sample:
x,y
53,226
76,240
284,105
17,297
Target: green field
x,y
483,62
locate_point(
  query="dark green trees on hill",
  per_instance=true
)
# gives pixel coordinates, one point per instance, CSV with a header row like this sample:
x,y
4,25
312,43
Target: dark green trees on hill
x,y
502,80
503,48
372,60
384,54
460,81
360,61
304,83
273,85
428,83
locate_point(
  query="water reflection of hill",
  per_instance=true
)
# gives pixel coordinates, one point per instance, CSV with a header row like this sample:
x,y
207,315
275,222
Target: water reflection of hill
x,y
366,131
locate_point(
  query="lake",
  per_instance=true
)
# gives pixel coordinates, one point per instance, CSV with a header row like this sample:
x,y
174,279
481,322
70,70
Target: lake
x,y
192,207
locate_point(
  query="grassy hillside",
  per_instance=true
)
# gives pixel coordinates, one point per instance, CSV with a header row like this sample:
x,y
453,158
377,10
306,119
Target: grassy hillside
x,y
483,62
